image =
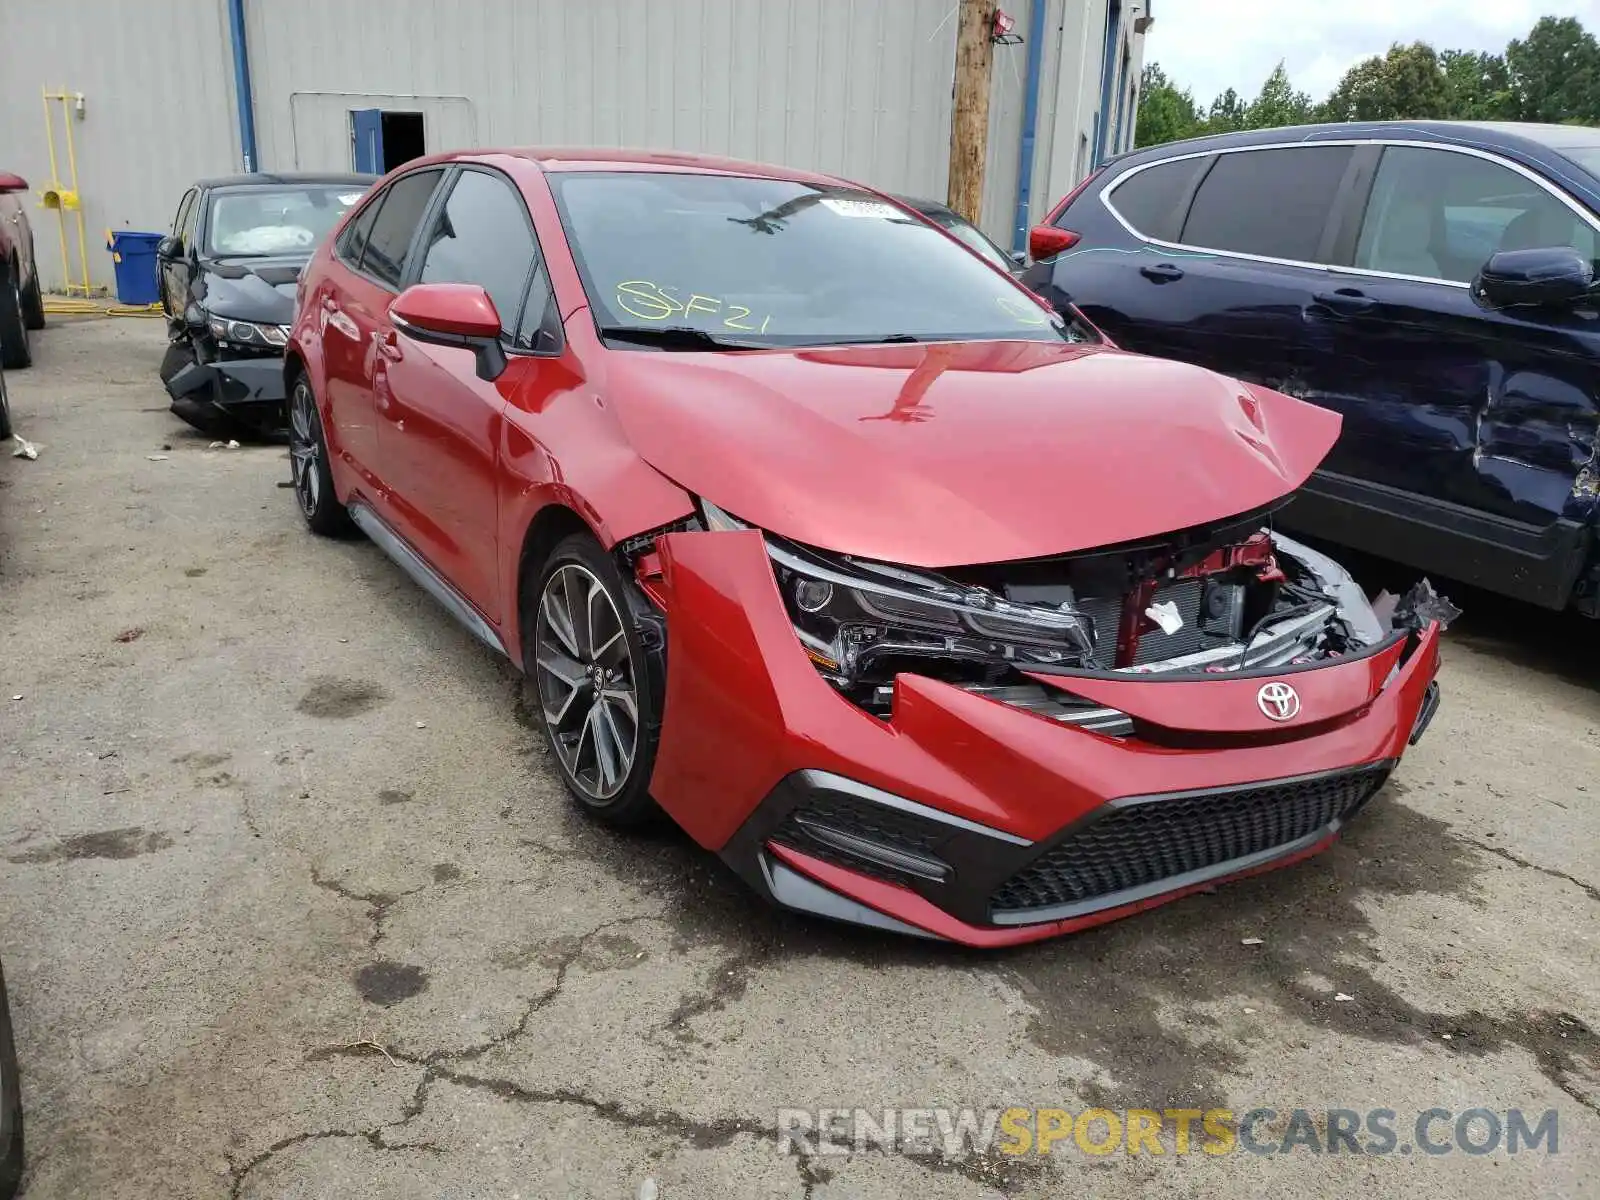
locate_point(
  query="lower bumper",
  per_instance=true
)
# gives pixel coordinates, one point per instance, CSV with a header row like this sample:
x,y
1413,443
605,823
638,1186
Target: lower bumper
x,y
245,389
965,818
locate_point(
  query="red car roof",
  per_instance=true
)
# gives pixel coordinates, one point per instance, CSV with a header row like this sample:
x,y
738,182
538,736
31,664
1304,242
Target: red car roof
x,y
602,158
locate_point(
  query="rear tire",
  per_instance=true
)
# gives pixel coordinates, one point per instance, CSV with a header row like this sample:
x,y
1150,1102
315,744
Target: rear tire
x,y
14,350
308,465
33,299
596,689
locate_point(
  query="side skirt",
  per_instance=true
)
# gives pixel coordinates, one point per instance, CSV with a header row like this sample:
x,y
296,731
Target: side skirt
x,y
435,584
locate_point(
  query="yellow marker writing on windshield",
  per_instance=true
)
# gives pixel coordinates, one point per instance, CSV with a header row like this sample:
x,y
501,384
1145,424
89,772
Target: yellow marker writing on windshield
x,y
1023,312
649,301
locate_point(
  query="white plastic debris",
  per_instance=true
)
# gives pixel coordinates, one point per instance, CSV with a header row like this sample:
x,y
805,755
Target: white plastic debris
x,y
230,444
648,1190
422,724
158,457
1343,997
1248,1010
1165,615
24,448
1252,941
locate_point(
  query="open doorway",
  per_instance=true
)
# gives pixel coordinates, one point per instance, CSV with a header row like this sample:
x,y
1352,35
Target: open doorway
x,y
381,140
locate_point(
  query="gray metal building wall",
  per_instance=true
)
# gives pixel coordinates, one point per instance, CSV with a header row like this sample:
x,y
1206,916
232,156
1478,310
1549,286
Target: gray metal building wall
x,y
857,87
860,88
151,124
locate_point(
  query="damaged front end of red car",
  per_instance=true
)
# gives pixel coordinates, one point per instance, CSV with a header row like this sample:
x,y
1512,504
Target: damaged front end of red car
x,y
1008,751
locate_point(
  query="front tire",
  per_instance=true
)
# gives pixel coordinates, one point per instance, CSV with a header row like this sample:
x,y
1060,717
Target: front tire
x,y
15,352
596,689
308,465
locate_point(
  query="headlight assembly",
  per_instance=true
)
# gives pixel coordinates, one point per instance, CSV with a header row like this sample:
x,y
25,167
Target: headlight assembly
x,y
248,333
856,619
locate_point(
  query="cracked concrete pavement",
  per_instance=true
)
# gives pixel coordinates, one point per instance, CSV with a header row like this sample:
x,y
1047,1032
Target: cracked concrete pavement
x,y
294,906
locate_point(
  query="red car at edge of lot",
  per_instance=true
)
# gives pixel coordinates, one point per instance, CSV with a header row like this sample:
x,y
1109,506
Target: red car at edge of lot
x,y
923,608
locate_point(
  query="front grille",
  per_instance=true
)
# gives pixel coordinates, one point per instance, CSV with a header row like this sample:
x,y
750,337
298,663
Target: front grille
x,y
1137,845
843,830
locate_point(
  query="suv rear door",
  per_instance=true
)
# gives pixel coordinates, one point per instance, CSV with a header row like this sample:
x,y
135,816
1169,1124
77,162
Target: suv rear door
x,y
1232,250
1469,433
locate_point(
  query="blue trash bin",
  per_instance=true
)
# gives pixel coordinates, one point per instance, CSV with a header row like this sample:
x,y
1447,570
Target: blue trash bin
x,y
134,256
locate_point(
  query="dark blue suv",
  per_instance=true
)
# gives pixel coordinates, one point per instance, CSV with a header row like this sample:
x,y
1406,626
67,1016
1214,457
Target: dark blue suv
x,y
1434,282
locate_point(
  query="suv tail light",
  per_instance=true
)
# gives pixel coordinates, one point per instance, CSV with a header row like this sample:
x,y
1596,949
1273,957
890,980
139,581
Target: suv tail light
x,y
1046,239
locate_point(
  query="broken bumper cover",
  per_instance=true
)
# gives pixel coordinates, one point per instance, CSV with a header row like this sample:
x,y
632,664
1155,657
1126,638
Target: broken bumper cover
x,y
250,389
965,818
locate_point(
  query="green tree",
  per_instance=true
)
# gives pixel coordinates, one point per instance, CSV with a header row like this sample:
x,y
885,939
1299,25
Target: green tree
x,y
1278,103
1166,113
1477,86
1228,112
1408,83
1555,72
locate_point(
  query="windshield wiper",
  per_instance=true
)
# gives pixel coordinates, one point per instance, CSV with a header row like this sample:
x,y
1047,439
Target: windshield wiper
x,y
675,337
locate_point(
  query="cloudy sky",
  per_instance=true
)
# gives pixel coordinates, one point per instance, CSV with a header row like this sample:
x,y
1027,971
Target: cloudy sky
x,y
1210,45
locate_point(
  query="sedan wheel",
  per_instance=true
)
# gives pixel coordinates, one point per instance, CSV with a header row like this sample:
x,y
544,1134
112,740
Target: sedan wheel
x,y
308,465
304,450
588,682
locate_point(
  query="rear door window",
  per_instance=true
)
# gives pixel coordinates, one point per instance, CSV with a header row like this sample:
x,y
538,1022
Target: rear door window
x,y
384,257
1151,200
482,235
353,241
1272,203
1440,214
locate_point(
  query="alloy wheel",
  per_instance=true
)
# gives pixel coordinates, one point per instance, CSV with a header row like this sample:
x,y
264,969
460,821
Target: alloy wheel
x,y
588,688
305,450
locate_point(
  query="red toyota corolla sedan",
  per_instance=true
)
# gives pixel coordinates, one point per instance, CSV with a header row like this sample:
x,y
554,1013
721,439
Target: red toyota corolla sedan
x,y
920,607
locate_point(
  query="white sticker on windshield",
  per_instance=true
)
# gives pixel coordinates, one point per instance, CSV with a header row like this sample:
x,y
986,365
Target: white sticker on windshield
x,y
863,208
349,198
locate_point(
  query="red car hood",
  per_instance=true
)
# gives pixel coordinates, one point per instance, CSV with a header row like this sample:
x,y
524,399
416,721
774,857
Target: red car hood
x,y
957,453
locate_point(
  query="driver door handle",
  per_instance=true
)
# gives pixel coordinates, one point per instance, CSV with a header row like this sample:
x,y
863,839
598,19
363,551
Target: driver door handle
x,y
1347,302
1162,273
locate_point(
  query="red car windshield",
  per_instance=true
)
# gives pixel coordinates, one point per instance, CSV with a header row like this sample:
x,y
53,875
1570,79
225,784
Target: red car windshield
x,y
773,261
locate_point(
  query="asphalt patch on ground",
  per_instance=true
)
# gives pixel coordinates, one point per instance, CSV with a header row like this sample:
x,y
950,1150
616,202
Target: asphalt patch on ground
x,y
387,983
108,843
333,699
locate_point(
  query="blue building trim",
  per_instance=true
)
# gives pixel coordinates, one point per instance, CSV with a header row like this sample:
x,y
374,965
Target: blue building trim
x,y
1109,62
243,97
1030,121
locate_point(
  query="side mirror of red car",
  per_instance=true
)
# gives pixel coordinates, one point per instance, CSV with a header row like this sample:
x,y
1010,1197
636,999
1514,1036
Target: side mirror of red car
x,y
1045,241
10,182
453,314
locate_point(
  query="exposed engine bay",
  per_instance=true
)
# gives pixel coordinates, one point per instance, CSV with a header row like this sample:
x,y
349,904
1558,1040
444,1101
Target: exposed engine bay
x,y
1209,601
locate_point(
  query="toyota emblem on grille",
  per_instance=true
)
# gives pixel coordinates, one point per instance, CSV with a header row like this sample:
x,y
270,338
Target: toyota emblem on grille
x,y
1278,701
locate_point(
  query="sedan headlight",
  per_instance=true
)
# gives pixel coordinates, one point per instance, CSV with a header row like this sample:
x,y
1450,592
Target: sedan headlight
x,y
248,333
856,618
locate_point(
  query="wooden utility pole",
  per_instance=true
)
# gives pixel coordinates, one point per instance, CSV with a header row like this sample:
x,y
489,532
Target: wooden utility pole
x,y
969,115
